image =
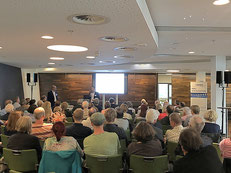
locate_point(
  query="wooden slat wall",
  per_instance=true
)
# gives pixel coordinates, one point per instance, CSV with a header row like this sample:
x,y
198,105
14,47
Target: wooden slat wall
x,y
73,86
181,88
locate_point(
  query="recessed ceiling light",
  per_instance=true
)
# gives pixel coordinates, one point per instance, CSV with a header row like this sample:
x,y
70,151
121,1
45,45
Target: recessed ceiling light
x,y
173,71
226,70
113,61
221,2
184,18
191,52
51,63
57,58
47,37
100,61
90,57
0,47
67,48
49,69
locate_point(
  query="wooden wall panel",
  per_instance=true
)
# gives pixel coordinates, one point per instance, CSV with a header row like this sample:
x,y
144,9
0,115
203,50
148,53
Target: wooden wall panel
x,y
73,86
181,87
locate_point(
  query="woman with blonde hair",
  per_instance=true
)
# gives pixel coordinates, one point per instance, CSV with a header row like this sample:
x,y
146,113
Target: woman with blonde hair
x,y
10,128
47,107
210,117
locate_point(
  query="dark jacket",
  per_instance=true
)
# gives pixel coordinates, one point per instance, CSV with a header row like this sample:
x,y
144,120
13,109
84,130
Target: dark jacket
x,y
50,98
24,141
5,117
165,121
158,125
9,132
211,128
114,128
205,160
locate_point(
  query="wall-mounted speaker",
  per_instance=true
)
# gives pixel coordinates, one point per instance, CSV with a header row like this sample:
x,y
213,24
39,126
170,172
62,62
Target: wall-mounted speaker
x,y
227,77
219,77
35,77
28,77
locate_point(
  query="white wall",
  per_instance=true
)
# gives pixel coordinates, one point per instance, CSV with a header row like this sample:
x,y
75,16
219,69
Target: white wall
x,y
163,78
26,88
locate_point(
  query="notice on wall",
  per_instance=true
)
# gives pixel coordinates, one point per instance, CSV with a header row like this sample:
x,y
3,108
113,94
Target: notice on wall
x,y
199,95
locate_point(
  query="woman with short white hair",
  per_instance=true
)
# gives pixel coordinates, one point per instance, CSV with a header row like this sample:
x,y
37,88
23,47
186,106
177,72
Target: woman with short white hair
x,y
9,108
186,113
210,117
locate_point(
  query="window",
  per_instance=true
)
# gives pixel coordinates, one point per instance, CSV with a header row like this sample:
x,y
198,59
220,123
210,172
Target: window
x,y
165,93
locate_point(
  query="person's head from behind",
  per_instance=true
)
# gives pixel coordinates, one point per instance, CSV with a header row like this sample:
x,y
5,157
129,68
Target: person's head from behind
x,y
119,112
9,108
195,109
39,103
190,140
78,115
12,120
110,115
124,108
186,111
152,116
39,113
211,116
85,104
95,101
97,120
175,120
169,109
143,101
23,102
197,123
57,109
64,106
8,102
59,130
24,125
57,103
91,111
53,88
144,132
107,104
32,102
159,106
44,98
112,100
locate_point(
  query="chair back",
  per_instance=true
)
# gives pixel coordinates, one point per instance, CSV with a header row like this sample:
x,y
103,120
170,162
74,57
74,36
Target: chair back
x,y
165,128
21,160
216,146
4,139
179,157
128,135
60,162
171,147
140,164
227,165
216,137
69,119
104,164
123,148
3,129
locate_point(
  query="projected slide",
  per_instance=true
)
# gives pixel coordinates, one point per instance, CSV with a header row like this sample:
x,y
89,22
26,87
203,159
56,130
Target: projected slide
x,y
109,83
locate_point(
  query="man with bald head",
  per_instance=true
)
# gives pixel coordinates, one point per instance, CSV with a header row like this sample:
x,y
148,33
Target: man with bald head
x,y
52,96
39,129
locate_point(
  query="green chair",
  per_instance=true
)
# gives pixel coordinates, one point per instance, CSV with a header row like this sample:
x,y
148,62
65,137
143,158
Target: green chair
x,y
216,146
171,147
4,139
68,123
123,146
139,120
69,119
128,134
179,157
104,164
3,129
21,160
165,128
140,164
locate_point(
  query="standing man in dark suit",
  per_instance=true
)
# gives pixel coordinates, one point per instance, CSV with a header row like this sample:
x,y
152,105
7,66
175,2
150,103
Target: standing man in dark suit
x,y
93,94
52,96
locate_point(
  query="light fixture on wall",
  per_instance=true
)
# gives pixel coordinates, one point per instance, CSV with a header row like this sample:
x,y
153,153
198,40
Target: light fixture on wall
x,y
221,2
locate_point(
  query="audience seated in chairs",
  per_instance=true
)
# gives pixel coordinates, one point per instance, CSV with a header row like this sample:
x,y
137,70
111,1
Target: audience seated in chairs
x,y
22,140
32,107
186,113
96,103
196,159
110,126
10,127
126,115
120,121
112,102
39,129
24,107
106,106
57,115
210,117
85,106
101,142
146,145
165,120
78,105
195,110
47,108
9,108
176,123
17,103
39,103
3,111
77,130
64,106
87,122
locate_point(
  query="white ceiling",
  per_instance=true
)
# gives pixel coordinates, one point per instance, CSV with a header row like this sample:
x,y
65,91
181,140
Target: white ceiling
x,y
207,32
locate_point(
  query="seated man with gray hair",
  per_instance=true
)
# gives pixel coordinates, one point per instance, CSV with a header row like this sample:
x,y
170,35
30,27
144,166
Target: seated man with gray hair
x,y
101,142
39,129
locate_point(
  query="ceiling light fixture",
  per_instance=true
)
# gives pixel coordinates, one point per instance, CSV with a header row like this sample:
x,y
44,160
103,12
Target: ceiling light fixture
x,y
0,47
67,48
47,37
90,57
221,2
173,71
51,63
191,52
57,58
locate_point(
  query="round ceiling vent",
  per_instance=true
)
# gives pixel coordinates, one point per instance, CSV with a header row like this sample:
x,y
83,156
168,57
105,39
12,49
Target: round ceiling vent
x,y
122,56
113,39
126,48
89,19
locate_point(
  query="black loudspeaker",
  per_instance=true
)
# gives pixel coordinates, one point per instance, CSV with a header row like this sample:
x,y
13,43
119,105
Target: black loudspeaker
x,y
219,77
227,77
28,77
35,77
